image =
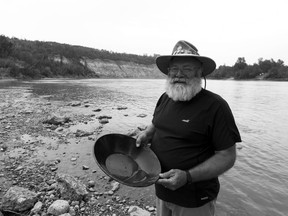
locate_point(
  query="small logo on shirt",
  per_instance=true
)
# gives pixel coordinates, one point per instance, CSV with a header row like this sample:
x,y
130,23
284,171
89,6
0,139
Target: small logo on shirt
x,y
186,120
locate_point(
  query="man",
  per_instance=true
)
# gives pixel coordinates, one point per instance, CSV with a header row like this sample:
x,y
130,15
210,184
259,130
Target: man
x,y
193,133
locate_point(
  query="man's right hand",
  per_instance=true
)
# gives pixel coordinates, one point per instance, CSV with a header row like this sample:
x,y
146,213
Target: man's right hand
x,y
142,139
145,137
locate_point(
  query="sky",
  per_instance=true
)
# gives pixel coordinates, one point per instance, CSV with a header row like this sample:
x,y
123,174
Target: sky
x,y
222,30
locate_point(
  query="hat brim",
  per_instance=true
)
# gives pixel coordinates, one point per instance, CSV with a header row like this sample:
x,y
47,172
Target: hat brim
x,y
208,64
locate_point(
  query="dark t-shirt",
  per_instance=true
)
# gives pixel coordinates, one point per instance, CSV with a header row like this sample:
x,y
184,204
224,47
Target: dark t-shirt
x,y
188,133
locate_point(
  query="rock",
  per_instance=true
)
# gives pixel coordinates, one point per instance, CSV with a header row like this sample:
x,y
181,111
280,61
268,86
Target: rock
x,y
91,183
103,121
104,117
18,199
84,167
57,120
80,133
74,203
239,147
137,211
59,207
115,186
37,207
72,211
53,169
122,108
142,115
66,214
59,129
27,112
71,188
90,189
75,104
96,110
151,208
3,148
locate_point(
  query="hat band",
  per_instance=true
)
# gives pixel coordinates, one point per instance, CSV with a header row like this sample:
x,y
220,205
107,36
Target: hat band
x,y
181,51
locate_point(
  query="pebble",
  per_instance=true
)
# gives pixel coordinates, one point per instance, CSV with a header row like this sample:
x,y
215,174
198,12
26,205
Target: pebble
x,y
53,169
84,167
103,121
91,183
142,115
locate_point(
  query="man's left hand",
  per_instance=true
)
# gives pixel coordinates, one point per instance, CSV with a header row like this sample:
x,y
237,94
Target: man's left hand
x,y
173,179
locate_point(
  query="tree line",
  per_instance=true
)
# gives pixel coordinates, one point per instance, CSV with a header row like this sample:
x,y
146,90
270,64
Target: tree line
x,y
263,70
38,59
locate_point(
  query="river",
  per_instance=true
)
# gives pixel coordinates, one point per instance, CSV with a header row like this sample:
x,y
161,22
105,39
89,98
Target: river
x,y
258,183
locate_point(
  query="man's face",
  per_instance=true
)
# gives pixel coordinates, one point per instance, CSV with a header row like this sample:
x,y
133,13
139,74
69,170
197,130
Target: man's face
x,y
185,68
184,79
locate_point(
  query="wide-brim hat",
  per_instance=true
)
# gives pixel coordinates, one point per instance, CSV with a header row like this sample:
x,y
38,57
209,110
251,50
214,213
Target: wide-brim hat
x,y
185,49
119,158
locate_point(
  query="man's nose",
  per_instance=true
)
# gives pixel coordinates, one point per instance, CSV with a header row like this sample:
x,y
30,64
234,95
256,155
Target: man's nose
x,y
180,73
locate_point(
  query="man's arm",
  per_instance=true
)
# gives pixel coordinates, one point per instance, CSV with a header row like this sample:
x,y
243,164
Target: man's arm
x,y
214,166
211,168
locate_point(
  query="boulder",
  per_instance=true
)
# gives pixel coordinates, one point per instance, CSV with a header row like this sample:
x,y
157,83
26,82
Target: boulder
x,y
70,188
18,199
59,207
137,211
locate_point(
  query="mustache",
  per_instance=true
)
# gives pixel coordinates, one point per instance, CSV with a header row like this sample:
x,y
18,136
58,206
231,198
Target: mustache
x,y
179,80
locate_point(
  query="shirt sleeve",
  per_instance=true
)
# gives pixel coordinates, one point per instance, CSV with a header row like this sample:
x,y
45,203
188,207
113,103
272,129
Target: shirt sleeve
x,y
224,131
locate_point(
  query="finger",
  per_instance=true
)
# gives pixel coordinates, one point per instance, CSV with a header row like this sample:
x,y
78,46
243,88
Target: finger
x,y
138,141
163,182
166,174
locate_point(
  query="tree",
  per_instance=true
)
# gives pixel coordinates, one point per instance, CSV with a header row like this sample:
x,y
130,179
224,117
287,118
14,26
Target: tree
x,y
240,64
6,46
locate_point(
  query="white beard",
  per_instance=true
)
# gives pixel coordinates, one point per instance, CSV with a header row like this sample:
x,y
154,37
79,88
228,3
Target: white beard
x,y
183,91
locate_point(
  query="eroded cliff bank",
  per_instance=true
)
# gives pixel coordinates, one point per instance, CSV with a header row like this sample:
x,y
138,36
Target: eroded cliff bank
x,y
121,69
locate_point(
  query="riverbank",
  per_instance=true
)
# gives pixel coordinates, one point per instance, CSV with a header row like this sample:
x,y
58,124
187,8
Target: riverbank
x,y
42,139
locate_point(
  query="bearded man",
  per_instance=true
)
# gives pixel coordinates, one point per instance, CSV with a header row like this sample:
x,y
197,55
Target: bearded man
x,y
193,133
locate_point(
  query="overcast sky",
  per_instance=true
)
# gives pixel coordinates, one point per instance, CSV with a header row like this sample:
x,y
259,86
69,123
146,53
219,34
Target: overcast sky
x,y
223,30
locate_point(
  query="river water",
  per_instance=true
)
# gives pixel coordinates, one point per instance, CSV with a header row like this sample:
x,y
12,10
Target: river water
x,y
258,183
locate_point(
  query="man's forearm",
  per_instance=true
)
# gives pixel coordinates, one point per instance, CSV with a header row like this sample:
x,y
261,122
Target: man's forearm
x,y
214,166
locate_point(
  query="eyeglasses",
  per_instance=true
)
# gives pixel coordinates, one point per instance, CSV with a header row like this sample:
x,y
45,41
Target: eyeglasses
x,y
185,70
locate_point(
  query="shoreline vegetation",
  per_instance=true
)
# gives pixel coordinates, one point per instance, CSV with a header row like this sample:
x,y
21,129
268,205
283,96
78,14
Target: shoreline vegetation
x,y
24,59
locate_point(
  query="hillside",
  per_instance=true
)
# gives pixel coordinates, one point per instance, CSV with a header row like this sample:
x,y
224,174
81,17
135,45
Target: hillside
x,y
35,59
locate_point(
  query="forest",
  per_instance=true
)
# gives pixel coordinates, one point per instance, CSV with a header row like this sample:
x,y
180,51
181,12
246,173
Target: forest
x,y
24,59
